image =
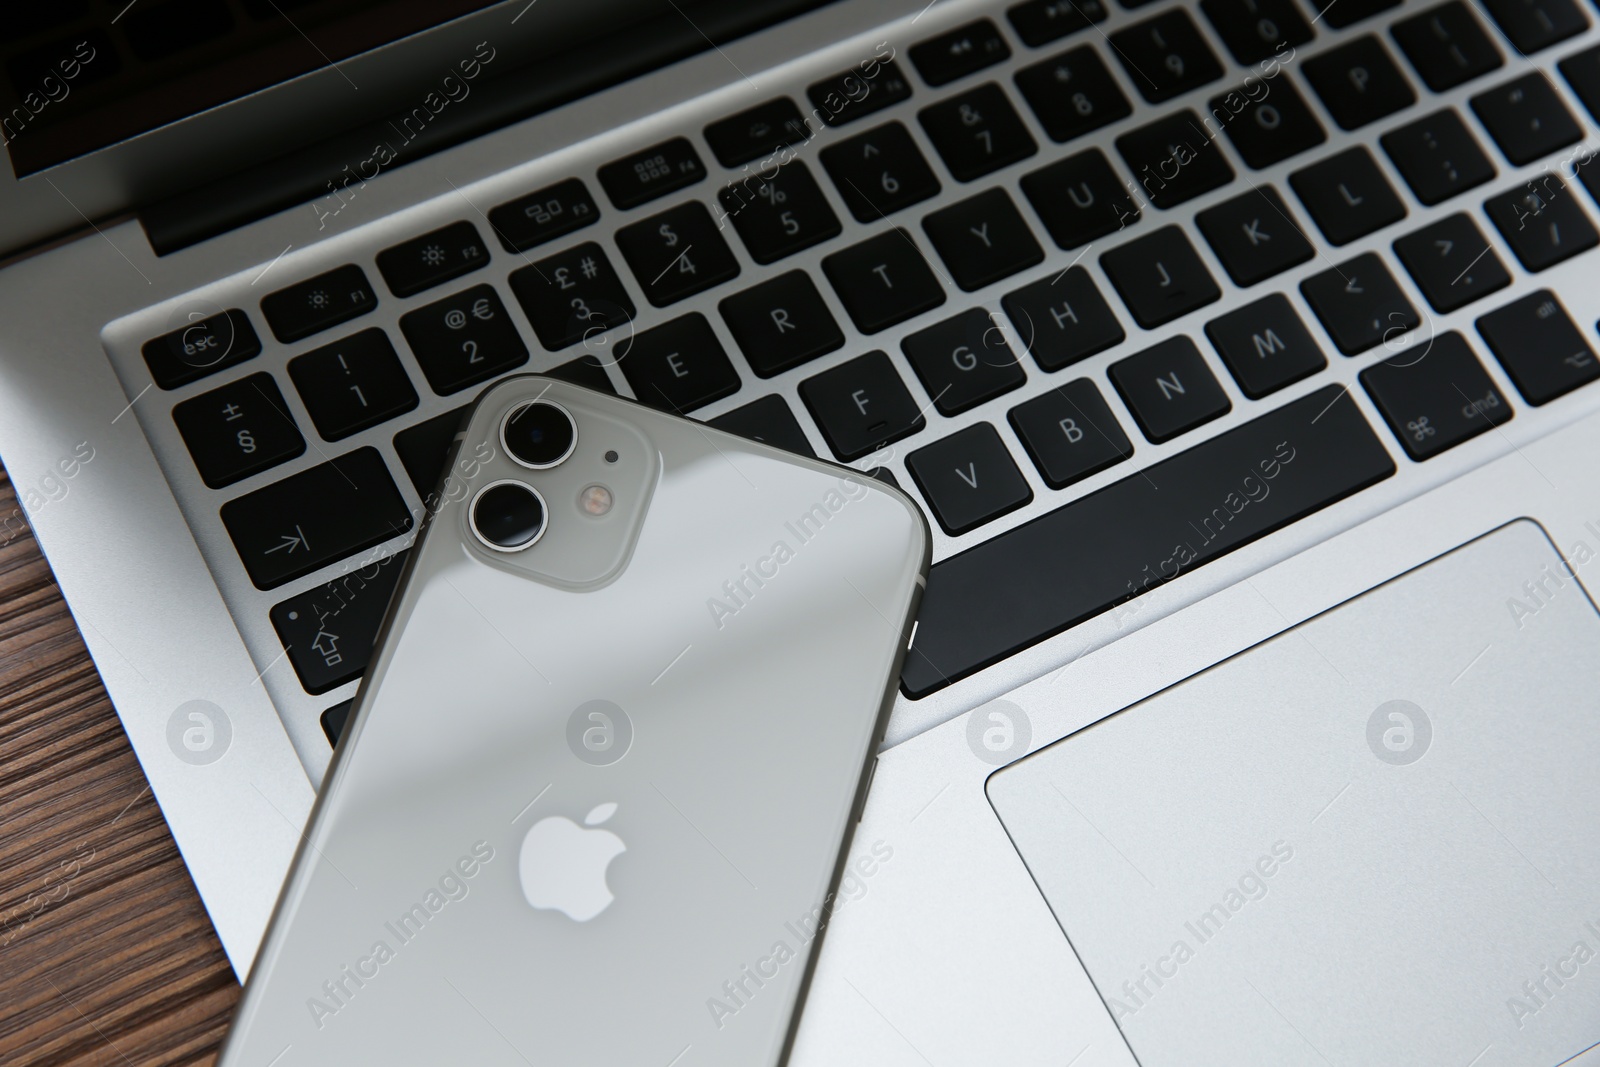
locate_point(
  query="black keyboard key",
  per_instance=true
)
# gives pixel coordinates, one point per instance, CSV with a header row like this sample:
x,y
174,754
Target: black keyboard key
x,y
982,239
861,405
1169,389
1265,346
1582,71
1358,82
316,517
758,131
1072,94
587,371
956,53
1174,160
1038,22
1254,235
463,339
1526,118
333,720
529,221
1359,304
1160,277
238,430
963,361
1438,399
884,280
1062,319
779,214
423,449
781,323
1070,433
426,261
318,303
329,631
1542,222
879,172
1452,263
1536,342
677,253
769,421
656,171
1270,128
1446,45
859,92
1347,195
1255,30
1341,13
1031,582
1080,199
572,296
677,366
1533,25
977,132
1438,157
1165,56
204,346
352,384
968,478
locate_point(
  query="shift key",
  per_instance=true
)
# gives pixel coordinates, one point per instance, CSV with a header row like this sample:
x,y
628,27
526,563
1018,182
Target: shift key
x,y
316,517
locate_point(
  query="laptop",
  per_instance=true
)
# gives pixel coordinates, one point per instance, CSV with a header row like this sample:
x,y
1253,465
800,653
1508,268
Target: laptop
x,y
1241,352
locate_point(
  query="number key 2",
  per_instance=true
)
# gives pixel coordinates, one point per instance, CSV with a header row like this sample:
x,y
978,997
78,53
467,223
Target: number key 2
x,y
572,295
463,339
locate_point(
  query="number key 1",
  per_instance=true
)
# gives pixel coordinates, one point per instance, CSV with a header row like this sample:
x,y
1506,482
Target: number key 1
x,y
352,384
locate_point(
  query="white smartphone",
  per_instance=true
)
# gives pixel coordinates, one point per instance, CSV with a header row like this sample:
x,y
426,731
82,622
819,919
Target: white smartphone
x,y
596,793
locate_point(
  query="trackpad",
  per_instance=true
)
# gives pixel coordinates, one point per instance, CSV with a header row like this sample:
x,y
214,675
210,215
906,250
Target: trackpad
x,y
1372,839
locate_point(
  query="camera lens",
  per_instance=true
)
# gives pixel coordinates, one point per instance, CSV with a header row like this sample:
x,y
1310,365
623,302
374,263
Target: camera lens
x,y
508,516
540,434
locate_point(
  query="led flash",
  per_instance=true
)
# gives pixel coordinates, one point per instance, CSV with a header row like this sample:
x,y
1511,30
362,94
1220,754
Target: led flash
x,y
595,500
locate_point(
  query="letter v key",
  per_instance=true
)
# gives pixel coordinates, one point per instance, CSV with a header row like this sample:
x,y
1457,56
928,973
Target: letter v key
x,y
970,475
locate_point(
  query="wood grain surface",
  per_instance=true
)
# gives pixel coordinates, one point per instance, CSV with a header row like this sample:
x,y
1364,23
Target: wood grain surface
x,y
106,954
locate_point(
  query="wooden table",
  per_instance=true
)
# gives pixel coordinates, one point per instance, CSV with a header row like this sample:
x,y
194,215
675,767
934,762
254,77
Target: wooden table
x,y
106,954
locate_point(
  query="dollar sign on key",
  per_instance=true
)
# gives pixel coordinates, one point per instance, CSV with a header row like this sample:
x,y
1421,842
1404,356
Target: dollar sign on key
x,y
668,236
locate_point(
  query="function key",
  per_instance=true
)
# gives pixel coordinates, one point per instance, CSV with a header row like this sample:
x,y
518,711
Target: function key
x,y
959,52
1165,56
1436,401
571,296
238,430
677,253
781,323
1080,199
858,92
1446,45
757,132
1038,22
1437,157
969,478
1358,82
769,421
1542,222
861,405
1526,118
1341,13
203,347
1062,319
1452,263
1070,433
543,216
1160,277
329,631
982,239
884,280
316,517
318,303
352,384
1173,159
1254,235
1072,94
1169,389
1265,346
1359,304
1537,24
963,361
977,132
1255,30
463,339
657,171
1536,342
677,366
423,262
879,172
1348,195
1270,128
780,214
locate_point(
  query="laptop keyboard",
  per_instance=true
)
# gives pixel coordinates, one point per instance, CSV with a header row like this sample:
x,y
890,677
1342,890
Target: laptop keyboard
x,y
595,296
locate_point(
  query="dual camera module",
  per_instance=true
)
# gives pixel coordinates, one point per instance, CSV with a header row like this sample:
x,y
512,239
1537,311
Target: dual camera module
x,y
510,515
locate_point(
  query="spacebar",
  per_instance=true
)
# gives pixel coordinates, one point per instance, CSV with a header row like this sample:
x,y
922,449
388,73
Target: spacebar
x,y
1088,556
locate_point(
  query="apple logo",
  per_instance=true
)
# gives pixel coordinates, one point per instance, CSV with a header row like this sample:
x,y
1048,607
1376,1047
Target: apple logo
x,y
563,866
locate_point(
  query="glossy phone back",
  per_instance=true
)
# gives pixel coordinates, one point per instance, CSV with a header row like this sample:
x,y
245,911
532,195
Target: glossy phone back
x,y
592,799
